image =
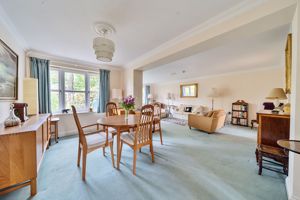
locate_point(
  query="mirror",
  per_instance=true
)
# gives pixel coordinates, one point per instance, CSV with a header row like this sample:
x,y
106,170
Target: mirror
x,y
189,90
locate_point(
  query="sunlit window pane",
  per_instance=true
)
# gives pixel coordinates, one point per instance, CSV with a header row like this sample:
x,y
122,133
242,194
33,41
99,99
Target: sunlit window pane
x,y
54,80
74,82
54,101
94,83
75,98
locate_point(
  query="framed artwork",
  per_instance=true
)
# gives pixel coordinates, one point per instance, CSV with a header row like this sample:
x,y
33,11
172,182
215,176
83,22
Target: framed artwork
x,y
8,73
288,64
189,90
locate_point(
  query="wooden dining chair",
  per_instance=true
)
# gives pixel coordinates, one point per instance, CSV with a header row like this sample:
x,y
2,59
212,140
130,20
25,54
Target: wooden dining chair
x,y
156,120
142,135
111,109
90,141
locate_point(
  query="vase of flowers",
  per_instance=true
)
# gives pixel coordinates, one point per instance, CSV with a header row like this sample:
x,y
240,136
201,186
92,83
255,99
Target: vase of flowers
x,y
127,104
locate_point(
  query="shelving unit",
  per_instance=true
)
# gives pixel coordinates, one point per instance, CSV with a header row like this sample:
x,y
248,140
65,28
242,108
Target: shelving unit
x,y
239,113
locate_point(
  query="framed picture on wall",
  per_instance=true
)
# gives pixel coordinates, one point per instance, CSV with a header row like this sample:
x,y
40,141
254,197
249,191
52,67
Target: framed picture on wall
x,y
189,90
288,64
8,73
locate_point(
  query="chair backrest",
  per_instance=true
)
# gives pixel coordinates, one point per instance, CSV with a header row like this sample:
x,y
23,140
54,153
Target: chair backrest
x,y
157,110
80,131
111,109
144,130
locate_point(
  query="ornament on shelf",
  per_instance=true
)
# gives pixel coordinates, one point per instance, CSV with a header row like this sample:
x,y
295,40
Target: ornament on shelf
x,y
12,120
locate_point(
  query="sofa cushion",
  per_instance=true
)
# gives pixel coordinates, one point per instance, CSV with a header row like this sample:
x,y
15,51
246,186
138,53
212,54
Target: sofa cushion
x,y
197,110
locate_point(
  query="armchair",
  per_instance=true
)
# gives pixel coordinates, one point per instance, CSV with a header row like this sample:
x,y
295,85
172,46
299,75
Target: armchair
x,y
208,123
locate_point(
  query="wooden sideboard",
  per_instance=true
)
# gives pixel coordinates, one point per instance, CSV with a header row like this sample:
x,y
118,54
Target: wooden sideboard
x,y
21,152
272,127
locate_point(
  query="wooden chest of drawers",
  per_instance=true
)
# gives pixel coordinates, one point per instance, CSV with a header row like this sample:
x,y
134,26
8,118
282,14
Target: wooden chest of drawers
x,y
21,152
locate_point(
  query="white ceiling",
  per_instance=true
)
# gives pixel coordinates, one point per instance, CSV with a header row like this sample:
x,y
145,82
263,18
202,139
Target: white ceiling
x,y
65,28
263,50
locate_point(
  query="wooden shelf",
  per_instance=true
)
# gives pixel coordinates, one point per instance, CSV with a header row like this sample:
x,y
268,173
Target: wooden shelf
x,y
239,113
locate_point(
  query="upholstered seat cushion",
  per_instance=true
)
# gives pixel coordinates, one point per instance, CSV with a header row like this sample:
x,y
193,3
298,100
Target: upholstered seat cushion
x,y
128,138
97,139
112,130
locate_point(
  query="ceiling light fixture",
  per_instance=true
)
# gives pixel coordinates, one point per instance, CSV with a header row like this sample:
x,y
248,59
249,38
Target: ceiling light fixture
x,y
104,48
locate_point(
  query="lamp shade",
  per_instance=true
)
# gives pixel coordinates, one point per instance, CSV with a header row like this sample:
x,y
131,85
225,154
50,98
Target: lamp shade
x,y
277,93
213,93
104,49
116,94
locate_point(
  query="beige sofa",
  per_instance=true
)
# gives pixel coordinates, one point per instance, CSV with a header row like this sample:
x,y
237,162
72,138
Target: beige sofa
x,y
209,123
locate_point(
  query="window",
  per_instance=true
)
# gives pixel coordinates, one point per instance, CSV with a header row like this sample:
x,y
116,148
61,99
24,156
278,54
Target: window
x,y
73,88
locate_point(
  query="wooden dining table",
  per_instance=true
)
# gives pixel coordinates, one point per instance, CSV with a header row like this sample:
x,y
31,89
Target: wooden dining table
x,y
119,123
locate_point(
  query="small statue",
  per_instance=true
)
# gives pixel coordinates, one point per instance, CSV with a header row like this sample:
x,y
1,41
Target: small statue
x,y
12,120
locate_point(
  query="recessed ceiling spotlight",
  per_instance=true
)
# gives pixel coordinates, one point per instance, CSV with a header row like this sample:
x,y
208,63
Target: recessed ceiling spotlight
x,y
183,71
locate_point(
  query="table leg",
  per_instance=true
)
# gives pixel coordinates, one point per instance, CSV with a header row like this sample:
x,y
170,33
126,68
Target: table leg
x,y
33,187
118,147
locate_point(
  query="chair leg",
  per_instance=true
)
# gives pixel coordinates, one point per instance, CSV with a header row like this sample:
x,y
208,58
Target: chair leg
x,y
140,150
259,163
103,151
84,164
152,152
112,154
79,156
120,151
256,155
160,133
134,162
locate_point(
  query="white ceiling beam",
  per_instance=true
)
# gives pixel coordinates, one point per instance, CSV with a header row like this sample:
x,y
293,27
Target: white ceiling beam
x,y
246,21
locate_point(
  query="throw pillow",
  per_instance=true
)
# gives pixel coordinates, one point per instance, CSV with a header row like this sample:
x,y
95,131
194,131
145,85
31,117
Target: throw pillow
x,y
209,114
197,110
181,108
205,110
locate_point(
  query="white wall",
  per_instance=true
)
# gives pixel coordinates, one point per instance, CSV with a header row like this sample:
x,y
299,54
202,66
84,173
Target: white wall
x,y
251,86
7,36
293,180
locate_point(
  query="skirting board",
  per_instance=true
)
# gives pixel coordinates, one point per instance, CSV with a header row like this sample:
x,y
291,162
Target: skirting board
x,y
290,196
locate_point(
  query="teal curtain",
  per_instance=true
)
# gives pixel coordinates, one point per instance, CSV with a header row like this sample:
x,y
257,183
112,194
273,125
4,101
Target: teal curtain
x,y
147,92
104,90
39,69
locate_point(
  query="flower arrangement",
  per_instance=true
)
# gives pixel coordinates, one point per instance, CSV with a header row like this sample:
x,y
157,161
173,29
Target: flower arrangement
x,y
128,103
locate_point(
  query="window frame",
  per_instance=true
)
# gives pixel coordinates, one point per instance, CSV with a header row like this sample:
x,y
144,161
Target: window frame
x,y
62,90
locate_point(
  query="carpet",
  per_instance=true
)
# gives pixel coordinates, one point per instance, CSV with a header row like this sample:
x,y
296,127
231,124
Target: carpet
x,y
193,165
177,121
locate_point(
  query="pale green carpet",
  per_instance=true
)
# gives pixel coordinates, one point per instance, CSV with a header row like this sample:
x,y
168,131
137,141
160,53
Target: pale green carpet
x,y
190,165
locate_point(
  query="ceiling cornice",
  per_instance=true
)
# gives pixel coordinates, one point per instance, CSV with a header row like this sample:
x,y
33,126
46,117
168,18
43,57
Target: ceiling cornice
x,y
10,27
58,60
244,71
243,7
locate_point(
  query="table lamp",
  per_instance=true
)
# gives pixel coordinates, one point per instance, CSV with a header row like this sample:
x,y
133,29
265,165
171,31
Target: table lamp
x,y
277,94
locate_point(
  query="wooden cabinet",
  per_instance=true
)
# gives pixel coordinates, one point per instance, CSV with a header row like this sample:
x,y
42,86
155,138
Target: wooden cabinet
x,y
272,127
21,152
